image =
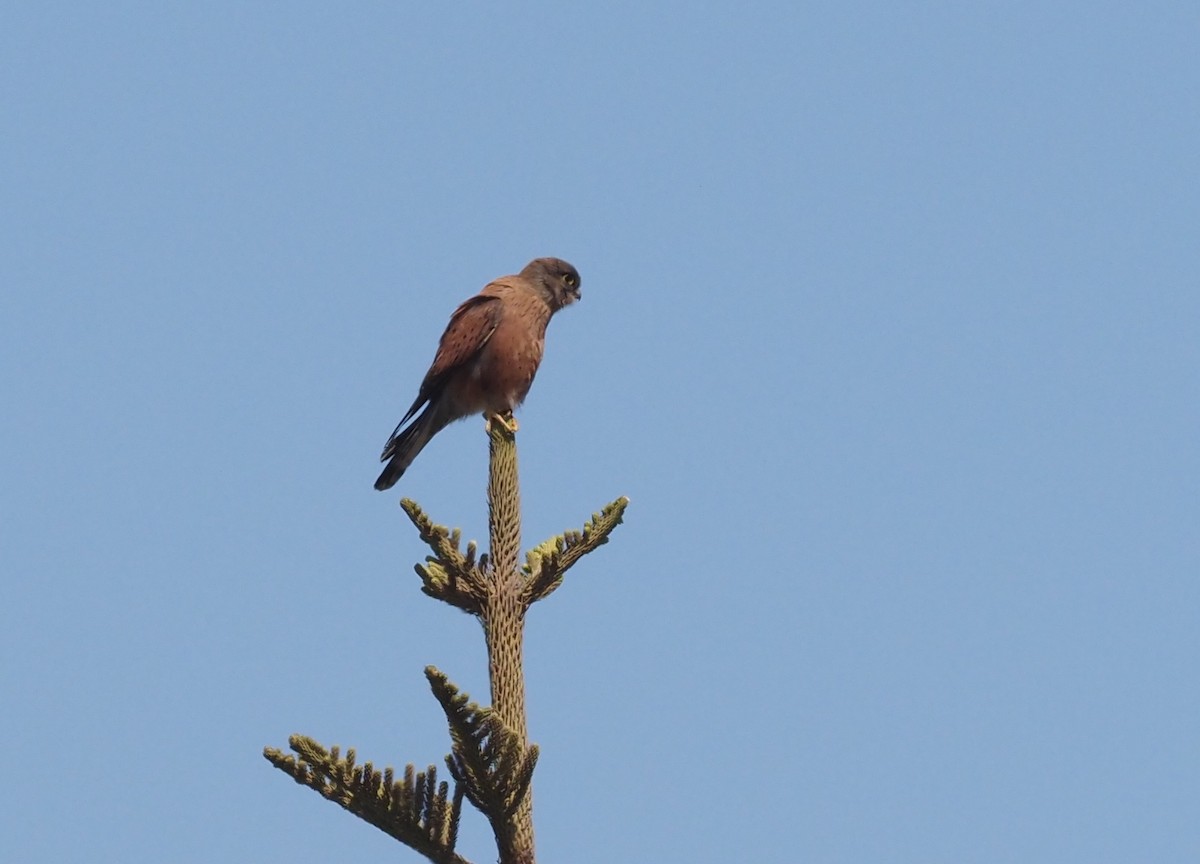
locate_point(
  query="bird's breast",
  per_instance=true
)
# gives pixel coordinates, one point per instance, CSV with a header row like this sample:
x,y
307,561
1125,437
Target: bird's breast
x,y
508,362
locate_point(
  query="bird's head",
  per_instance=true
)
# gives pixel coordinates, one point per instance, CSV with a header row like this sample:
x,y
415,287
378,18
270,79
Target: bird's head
x,y
556,281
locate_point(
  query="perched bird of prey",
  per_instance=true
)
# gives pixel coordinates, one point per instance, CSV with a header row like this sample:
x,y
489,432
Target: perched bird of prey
x,y
487,358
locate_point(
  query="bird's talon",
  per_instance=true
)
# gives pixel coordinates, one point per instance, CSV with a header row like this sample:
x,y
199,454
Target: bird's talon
x,y
506,420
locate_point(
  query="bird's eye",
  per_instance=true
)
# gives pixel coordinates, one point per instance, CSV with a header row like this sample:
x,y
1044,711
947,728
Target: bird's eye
x,y
569,279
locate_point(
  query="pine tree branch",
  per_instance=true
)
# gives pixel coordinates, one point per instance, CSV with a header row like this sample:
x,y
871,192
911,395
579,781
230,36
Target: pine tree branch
x,y
546,564
448,574
489,761
416,810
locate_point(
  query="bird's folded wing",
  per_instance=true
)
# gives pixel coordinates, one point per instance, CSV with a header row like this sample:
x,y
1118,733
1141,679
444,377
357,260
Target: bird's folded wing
x,y
470,327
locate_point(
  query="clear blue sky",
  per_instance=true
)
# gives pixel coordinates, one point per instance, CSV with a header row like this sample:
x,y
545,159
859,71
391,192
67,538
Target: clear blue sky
x,y
889,331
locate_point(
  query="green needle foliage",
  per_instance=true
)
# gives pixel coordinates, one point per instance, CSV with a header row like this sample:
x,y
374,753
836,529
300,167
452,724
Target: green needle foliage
x,y
491,761
416,810
546,563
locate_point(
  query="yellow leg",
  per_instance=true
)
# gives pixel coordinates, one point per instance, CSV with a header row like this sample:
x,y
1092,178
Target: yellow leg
x,y
507,420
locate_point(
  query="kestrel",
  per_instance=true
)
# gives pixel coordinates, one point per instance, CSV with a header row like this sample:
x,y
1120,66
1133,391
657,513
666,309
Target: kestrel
x,y
487,358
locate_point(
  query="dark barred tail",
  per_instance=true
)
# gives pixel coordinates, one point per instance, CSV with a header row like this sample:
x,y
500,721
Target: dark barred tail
x,y
402,448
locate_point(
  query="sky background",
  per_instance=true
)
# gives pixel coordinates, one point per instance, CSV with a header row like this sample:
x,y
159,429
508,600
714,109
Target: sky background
x,y
888,331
